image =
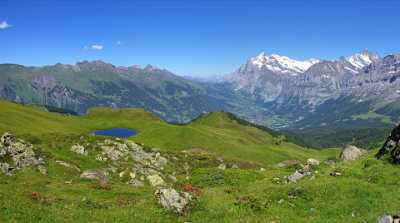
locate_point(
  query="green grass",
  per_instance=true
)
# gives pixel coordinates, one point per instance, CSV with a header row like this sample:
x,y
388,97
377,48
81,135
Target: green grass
x,y
367,188
215,132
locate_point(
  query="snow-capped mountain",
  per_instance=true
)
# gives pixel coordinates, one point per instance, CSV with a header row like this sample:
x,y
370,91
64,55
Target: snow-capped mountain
x,y
278,64
287,85
360,60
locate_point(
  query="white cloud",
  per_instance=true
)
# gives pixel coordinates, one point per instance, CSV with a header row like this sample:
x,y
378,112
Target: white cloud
x,y
119,43
4,25
94,47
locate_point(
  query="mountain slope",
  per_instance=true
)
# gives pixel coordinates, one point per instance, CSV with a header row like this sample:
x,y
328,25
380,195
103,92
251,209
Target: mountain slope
x,y
223,135
87,84
365,189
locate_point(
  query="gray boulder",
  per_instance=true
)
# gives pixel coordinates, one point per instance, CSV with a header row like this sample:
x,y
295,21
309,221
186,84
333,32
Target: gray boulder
x,y
293,178
385,219
350,152
172,200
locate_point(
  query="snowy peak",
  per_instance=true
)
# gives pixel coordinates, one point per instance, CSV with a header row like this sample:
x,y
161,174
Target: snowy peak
x,y
360,60
281,64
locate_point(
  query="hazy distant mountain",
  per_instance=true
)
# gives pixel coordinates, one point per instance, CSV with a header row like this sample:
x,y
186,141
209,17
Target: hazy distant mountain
x,y
85,84
269,90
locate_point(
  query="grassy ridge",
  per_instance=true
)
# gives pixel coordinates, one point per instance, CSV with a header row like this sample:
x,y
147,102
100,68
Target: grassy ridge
x,y
216,132
366,189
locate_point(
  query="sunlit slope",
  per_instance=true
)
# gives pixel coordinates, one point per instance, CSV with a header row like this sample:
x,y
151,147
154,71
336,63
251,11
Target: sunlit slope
x,y
216,132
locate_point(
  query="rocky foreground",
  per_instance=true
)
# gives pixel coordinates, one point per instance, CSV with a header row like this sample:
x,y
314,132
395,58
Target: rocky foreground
x,y
139,166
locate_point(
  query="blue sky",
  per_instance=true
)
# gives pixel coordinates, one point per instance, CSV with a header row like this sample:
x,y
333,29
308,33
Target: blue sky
x,y
192,37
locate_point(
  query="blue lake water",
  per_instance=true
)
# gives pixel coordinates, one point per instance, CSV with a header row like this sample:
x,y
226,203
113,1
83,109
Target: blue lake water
x,y
115,132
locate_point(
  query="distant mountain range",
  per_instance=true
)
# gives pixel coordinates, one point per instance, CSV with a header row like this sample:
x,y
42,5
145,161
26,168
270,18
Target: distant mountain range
x,y
361,90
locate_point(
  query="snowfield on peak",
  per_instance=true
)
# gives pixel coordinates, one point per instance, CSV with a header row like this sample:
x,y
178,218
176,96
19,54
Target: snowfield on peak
x,y
282,64
360,60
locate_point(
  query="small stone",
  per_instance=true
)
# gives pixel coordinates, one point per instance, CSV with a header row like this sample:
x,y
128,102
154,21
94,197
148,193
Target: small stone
x,y
136,183
312,162
96,175
234,166
43,170
222,166
335,174
155,180
79,149
281,201
297,176
173,178
65,164
262,169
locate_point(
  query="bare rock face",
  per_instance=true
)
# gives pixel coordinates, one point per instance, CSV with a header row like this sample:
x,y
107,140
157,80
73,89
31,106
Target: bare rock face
x,y
350,152
173,201
17,154
391,145
96,175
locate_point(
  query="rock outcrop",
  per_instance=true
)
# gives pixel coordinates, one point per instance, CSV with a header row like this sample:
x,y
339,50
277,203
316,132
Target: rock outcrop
x,y
79,149
391,145
173,201
17,154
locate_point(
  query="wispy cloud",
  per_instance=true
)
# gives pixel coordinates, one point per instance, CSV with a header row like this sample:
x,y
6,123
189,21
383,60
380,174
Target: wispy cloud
x,y
94,47
119,43
4,25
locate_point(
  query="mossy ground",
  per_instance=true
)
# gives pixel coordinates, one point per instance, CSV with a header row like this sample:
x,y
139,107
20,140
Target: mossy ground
x,y
367,188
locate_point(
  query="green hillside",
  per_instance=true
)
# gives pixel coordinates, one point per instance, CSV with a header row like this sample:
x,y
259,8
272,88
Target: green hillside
x,y
214,132
248,188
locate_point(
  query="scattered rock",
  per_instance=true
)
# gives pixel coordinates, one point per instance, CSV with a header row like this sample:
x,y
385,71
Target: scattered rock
x,y
335,174
136,183
173,201
350,152
79,149
222,166
288,163
172,178
297,176
65,164
96,175
155,180
234,166
312,162
6,169
43,170
17,154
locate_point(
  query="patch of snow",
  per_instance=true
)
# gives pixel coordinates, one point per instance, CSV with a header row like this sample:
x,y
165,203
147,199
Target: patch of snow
x,y
351,70
360,60
282,64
